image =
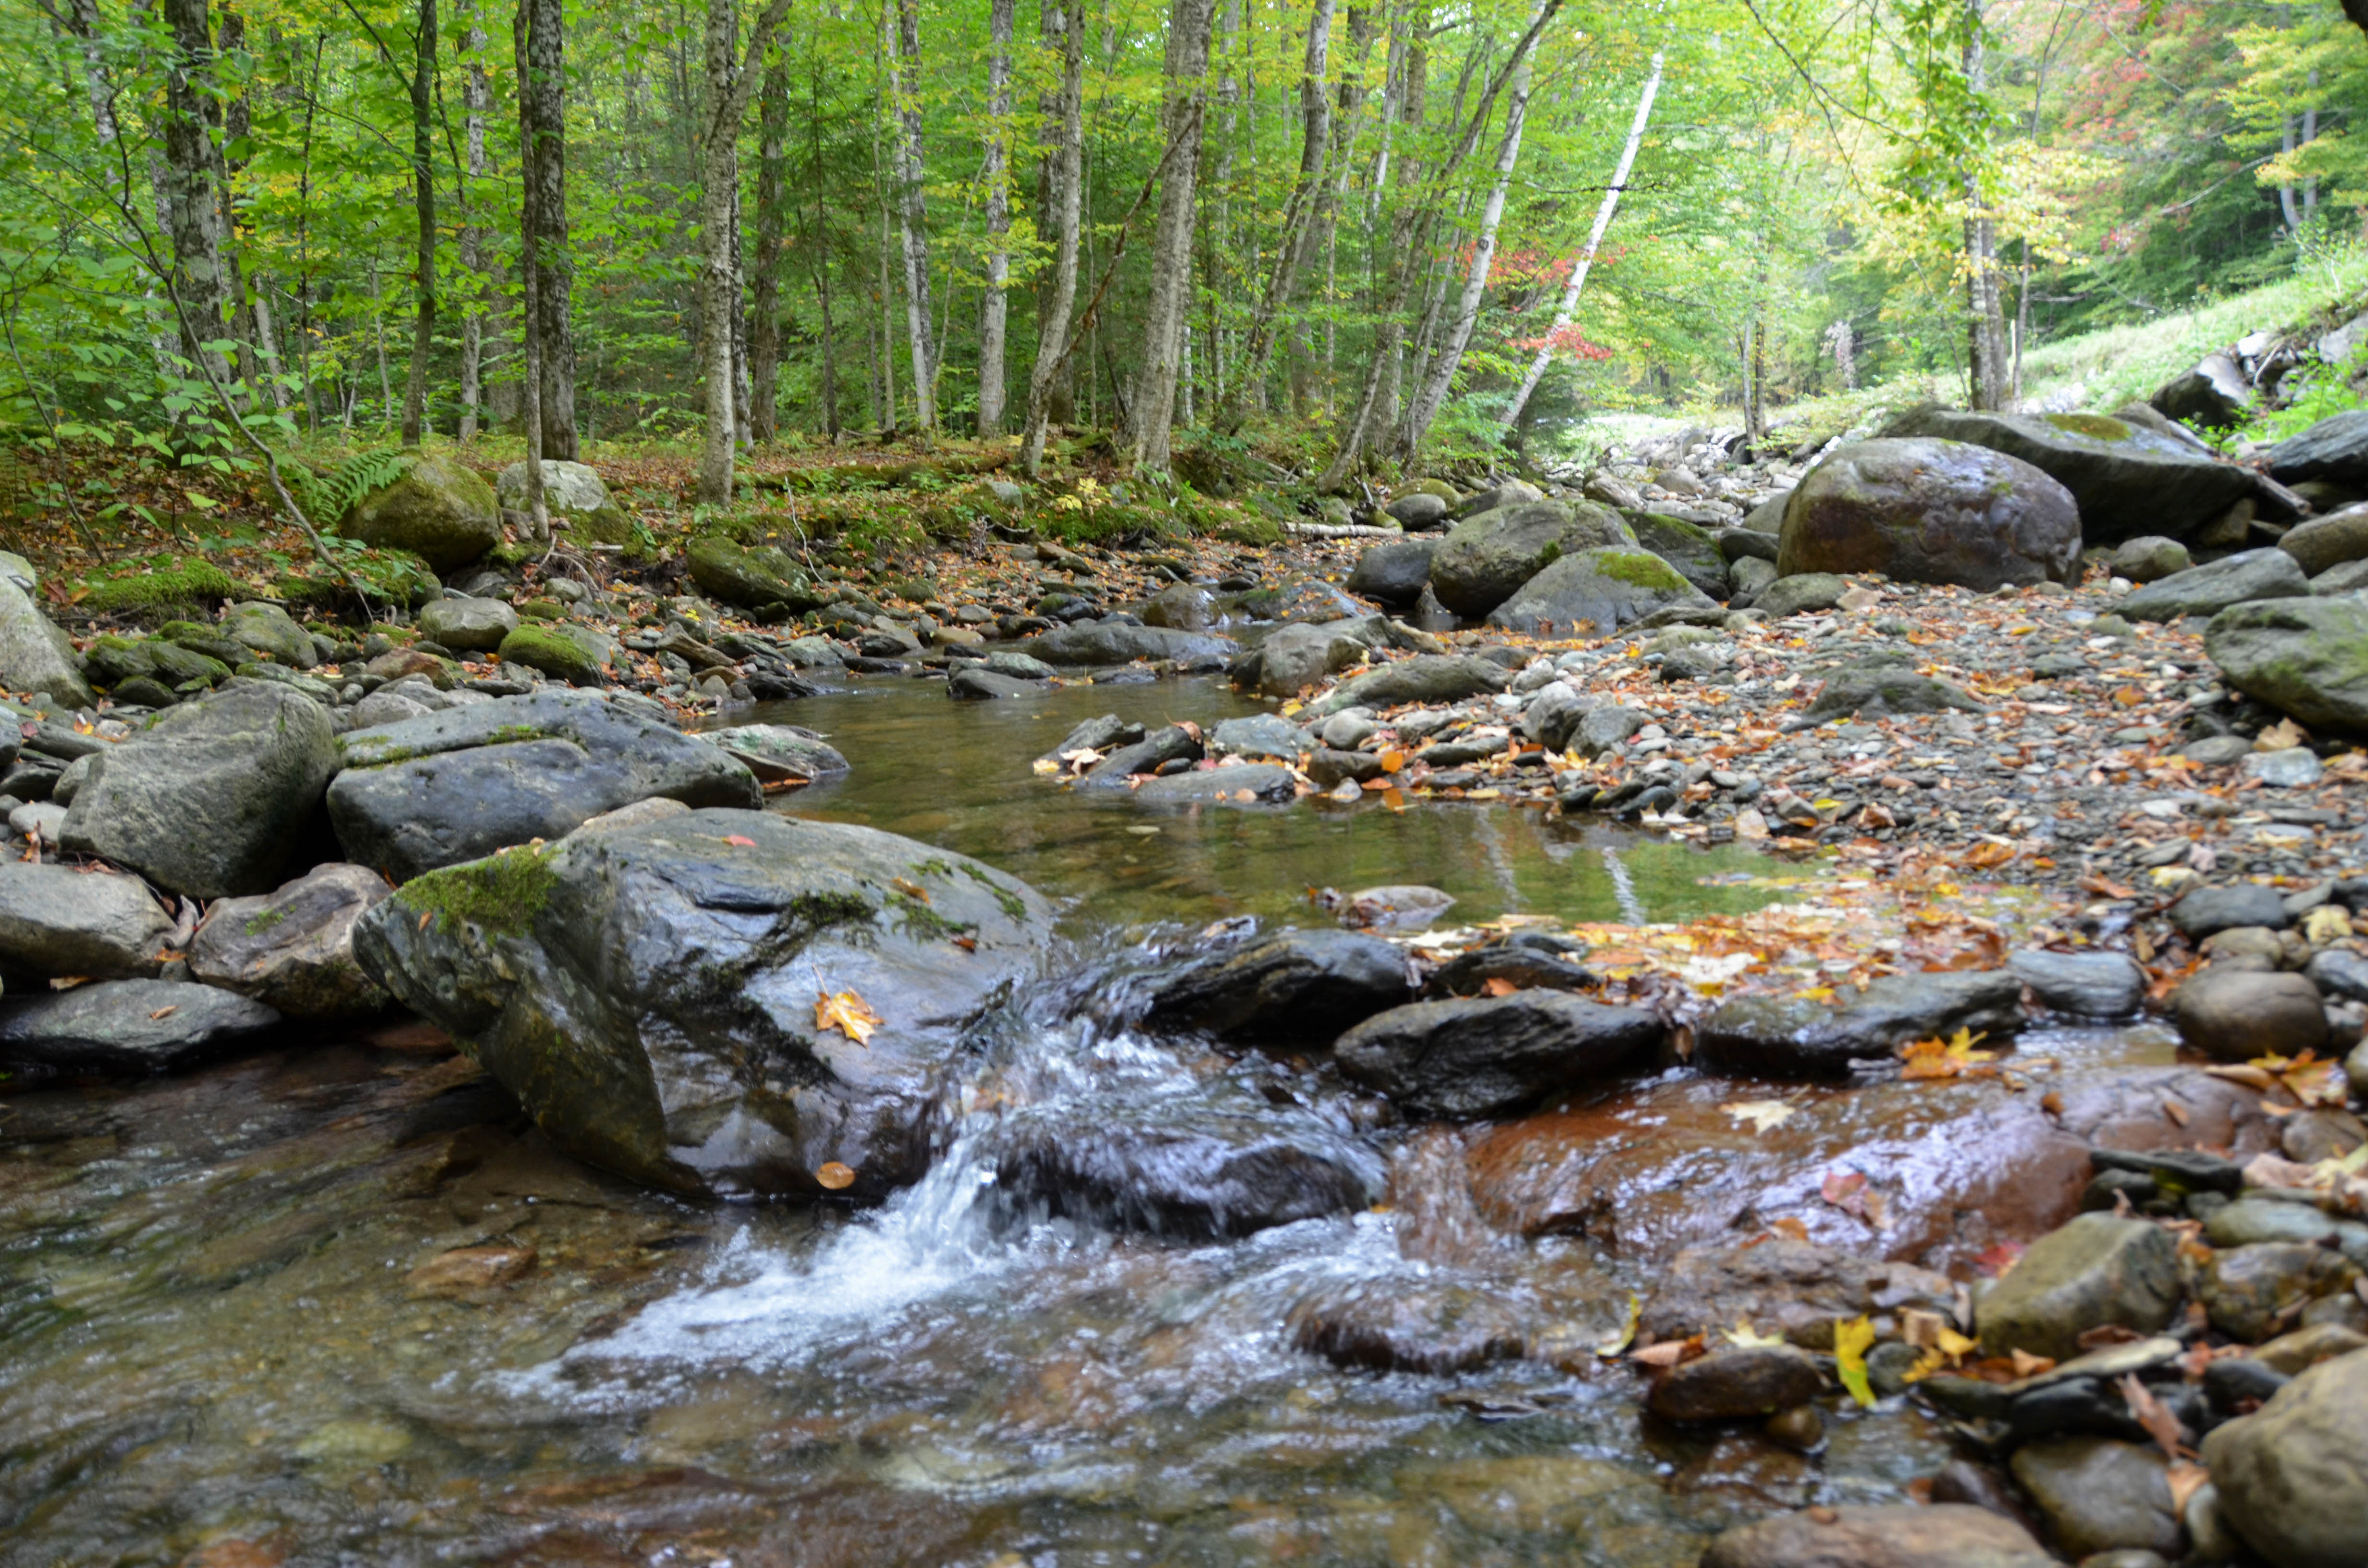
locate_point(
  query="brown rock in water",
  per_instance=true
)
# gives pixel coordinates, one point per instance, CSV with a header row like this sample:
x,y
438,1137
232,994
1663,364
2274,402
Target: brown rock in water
x,y
2236,1014
1736,1384
466,1272
1793,1290
2098,1494
1946,1535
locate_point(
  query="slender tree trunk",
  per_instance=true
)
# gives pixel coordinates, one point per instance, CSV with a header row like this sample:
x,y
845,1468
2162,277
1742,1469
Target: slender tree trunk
x,y
994,308
1067,185
1055,28
765,301
188,186
1566,311
1152,413
476,94
728,84
1298,215
542,98
531,272
82,20
2309,135
1985,325
912,206
818,259
423,196
233,119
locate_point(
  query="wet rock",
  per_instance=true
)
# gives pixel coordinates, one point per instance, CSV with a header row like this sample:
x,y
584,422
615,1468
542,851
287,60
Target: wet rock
x,y
761,579
2208,910
293,949
56,921
2088,985
771,750
1791,1037
1467,1058
1737,1382
2323,543
650,994
1182,607
2127,480
1327,769
454,786
1259,734
1795,1290
1944,1535
2238,1014
1172,744
1301,600
1599,589
2234,1386
1484,560
1435,1327
1100,734
2255,1292
211,798
2098,1494
437,509
1195,1175
1395,573
2095,1270
2305,657
2293,1354
1294,659
1801,594
970,685
2206,590
1426,677
129,1026
1104,643
1253,783
1931,511
1519,965
466,625
469,1274
1301,987
2292,1478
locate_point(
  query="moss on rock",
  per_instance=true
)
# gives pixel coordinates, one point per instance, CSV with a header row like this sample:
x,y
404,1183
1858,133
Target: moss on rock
x,y
501,896
552,651
161,586
1638,569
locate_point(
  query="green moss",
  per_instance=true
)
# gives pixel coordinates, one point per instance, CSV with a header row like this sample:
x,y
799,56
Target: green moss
x,y
1253,531
1013,904
551,652
1638,569
160,585
263,920
932,867
919,920
2096,427
388,576
501,896
820,910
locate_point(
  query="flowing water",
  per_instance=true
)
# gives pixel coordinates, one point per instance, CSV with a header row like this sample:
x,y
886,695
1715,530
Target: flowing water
x,y
210,1352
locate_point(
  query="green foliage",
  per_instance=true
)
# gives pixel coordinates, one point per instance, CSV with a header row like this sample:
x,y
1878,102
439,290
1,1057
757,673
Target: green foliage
x,y
327,496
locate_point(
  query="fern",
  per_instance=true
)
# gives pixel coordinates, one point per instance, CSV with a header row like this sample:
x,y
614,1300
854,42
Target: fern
x,y
326,497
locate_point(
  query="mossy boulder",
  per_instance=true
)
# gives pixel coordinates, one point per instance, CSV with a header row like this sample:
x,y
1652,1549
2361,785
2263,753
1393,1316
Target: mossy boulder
x,y
650,992
160,587
1485,560
388,576
268,630
548,648
2307,657
1594,593
759,578
112,661
203,637
35,656
1924,510
572,492
435,509
1693,550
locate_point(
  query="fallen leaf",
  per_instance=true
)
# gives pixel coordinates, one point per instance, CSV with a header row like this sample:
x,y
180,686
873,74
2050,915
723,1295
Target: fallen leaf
x,y
847,1012
737,842
834,1176
2027,1365
2151,1413
1744,1336
1499,986
2283,736
1852,1339
1669,1352
1789,1227
909,888
2185,1478
1612,1344
1995,1261
164,1012
1844,1190
1990,853
1762,1114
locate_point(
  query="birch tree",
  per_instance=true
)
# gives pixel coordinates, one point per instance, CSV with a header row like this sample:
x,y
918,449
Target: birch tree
x,y
1065,182
1152,413
729,80
911,202
1298,218
995,307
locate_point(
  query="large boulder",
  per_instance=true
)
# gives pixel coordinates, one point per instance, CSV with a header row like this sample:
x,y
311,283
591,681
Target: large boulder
x,y
2095,1270
293,948
1121,643
2307,657
2127,479
1693,550
1921,510
467,625
57,921
129,1026
2292,1476
1426,677
761,578
1473,1057
681,1001
35,656
572,493
1303,987
1484,560
1596,592
435,508
2323,543
2204,591
2336,448
445,787
213,796
1396,572
1944,1535
2214,395
268,631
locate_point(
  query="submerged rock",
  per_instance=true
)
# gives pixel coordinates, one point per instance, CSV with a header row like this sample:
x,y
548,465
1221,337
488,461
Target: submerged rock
x,y
651,993
1944,1535
129,1026
1794,1289
1734,1383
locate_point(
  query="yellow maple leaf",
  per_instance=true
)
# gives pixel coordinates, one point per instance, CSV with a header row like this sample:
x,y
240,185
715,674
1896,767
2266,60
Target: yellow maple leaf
x,y
1762,1114
847,1012
1853,1338
1744,1336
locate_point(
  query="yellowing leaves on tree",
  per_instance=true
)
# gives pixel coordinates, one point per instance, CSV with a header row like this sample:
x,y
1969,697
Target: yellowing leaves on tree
x,y
847,1012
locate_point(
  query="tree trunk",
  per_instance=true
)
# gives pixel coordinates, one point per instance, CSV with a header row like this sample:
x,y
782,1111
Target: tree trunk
x,y
423,197
1152,413
994,308
475,95
2285,187
1056,28
82,20
530,272
189,193
1985,325
1566,311
1067,187
1298,215
818,259
765,303
543,101
912,206
728,83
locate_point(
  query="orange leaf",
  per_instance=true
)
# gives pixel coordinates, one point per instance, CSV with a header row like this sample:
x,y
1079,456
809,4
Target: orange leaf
x,y
1392,760
1499,986
835,1175
847,1012
1990,853
739,843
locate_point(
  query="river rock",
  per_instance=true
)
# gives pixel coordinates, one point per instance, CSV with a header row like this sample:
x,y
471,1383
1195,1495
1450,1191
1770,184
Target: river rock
x,y
2126,480
761,578
1796,1291
1172,743
467,625
1466,1057
293,948
129,1026
2323,543
2256,1291
211,798
1437,1327
1104,643
1596,592
2095,1270
2293,1477
1942,1535
2150,557
1294,658
1554,715
35,656
572,492
1425,677
2088,985
1791,1037
1880,688
1303,987
55,921
454,786
1805,593
2206,911
1693,550
1259,734
1181,607
1931,511
2335,449
778,746
1246,784
1486,559
2214,394
2236,1015
1736,1384
435,509
2208,589
1394,573
2305,657
2099,1494
1421,510
970,684
652,995
268,630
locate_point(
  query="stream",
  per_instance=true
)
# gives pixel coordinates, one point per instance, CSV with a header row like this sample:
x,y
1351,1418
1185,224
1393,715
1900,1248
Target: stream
x,y
211,1350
